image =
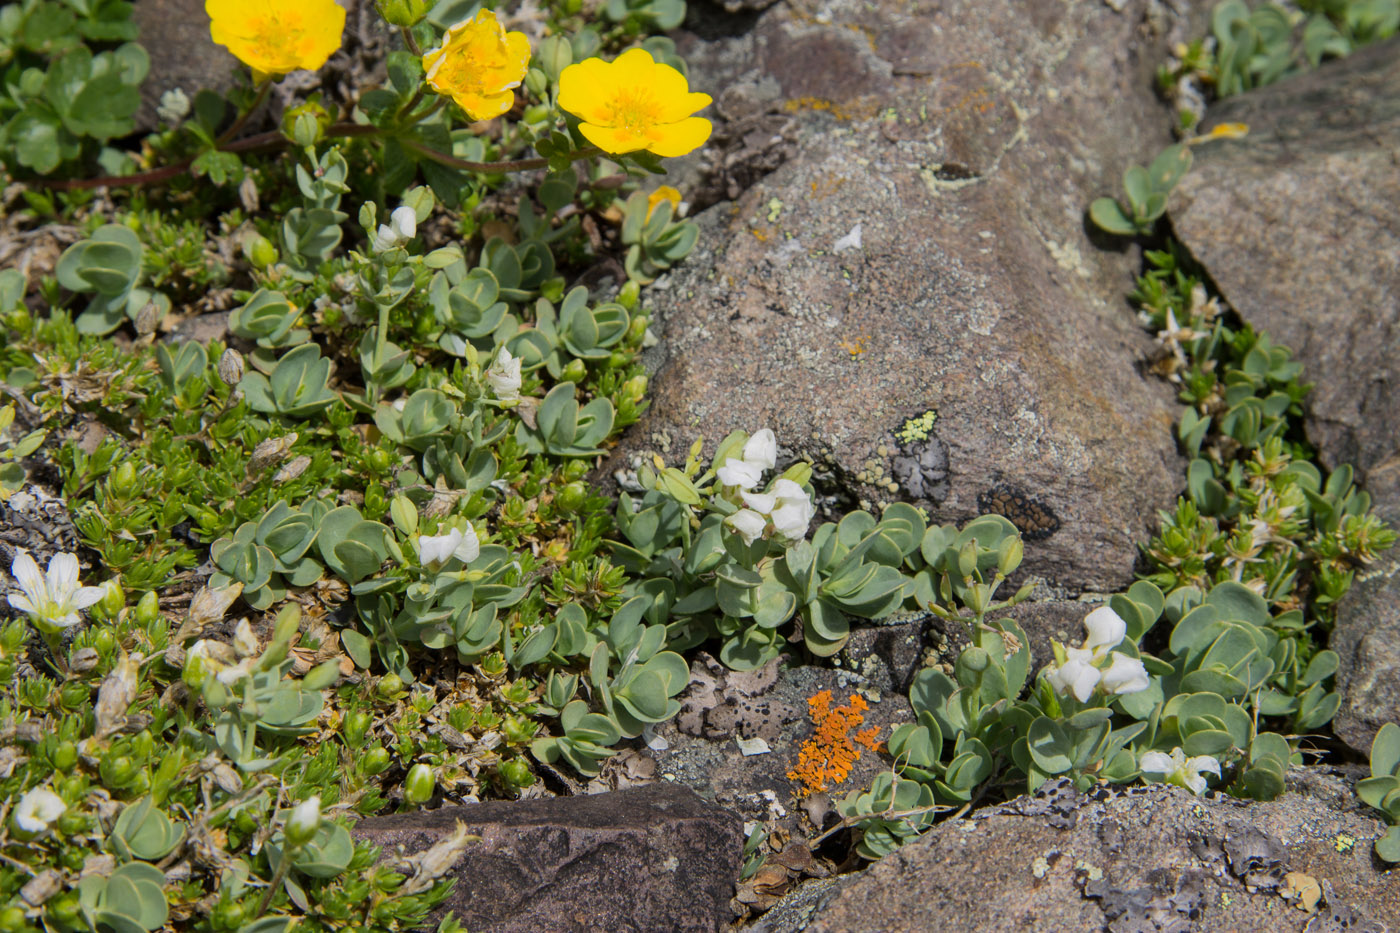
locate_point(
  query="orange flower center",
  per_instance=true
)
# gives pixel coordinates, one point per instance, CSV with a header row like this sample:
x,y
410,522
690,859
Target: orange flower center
x,y
271,34
634,110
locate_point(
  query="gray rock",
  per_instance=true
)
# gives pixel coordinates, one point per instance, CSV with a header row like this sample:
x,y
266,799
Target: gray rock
x,y
1146,858
720,707
924,251
633,861
1296,225
175,33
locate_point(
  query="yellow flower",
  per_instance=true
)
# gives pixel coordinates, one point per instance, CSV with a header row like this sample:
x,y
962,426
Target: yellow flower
x,y
478,64
634,103
274,37
663,194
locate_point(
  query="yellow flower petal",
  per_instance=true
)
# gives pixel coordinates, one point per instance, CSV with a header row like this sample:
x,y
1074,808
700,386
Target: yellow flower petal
x,y
274,38
478,64
634,103
610,140
676,139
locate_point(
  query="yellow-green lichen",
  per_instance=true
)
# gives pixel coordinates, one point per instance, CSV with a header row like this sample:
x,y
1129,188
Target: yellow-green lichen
x,y
917,429
1344,842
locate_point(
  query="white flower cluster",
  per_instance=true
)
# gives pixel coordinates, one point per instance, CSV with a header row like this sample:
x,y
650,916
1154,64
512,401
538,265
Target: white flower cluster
x,y
1177,769
402,226
785,507
1085,669
504,376
52,603
436,550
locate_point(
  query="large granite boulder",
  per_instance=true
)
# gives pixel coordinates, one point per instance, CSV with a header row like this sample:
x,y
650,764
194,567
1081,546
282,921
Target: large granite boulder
x,y
1153,858
634,861
1296,225
912,299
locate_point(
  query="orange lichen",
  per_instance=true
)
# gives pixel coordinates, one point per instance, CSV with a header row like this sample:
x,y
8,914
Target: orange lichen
x,y
827,757
854,347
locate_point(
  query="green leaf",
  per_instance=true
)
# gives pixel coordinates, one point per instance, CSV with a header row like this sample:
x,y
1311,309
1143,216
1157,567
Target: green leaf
x,y
1388,846
34,134
1385,750
1049,746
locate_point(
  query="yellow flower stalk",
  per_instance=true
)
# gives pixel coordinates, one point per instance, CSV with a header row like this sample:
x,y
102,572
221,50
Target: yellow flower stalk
x,y
274,37
634,103
479,65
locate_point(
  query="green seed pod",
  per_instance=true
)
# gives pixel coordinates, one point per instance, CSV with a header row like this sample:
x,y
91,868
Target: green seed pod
x,y
572,497
122,482
114,600
517,773
355,726
375,761
574,372
147,609
418,786
628,297
389,686
65,756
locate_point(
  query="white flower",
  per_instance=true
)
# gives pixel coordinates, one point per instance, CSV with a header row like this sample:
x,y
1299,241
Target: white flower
x,y
1077,675
174,106
37,809
760,453
436,550
52,603
402,226
748,523
1177,769
792,510
761,450
740,473
504,376
304,822
1125,675
1106,630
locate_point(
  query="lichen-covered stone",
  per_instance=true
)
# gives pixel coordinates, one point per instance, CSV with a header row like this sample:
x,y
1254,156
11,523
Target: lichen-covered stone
x,y
922,258
1142,858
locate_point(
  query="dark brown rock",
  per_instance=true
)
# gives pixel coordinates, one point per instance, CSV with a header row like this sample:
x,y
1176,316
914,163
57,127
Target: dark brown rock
x,y
633,861
924,251
1148,858
1296,225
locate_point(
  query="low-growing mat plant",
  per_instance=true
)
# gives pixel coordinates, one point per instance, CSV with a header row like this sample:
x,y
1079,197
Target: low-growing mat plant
x,y
346,558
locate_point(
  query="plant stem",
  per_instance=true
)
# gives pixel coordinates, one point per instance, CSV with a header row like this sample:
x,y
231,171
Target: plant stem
x,y
409,42
381,341
243,117
275,140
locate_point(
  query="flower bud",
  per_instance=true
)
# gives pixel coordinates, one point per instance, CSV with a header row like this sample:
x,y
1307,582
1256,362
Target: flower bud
x,y
123,480
147,318
64,756
629,294
418,786
355,726
305,124
304,822
537,83
572,497
402,12
147,609
554,55
375,760
1009,554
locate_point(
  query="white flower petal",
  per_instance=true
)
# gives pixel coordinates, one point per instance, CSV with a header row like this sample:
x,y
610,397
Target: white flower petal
x,y
761,450
758,501
739,473
22,603
1125,675
63,577
1204,763
404,220
436,549
469,548
29,578
1106,628
748,524
86,596
1156,762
